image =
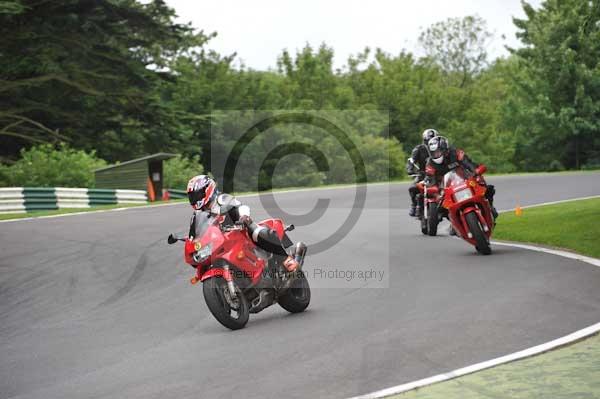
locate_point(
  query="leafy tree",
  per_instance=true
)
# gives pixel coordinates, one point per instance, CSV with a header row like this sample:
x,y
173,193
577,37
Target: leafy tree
x,y
89,72
177,171
310,79
458,45
557,109
482,129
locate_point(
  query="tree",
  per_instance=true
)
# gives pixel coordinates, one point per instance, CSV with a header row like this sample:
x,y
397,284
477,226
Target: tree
x,y
89,72
560,81
178,170
457,45
310,77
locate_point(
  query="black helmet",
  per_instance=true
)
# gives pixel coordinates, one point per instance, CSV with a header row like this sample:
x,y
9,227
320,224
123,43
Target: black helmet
x,y
438,148
428,134
201,191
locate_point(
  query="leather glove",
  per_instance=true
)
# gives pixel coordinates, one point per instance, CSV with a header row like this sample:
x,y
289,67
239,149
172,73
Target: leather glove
x,y
245,220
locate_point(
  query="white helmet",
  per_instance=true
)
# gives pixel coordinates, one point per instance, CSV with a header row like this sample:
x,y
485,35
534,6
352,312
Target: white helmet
x,y
438,147
428,134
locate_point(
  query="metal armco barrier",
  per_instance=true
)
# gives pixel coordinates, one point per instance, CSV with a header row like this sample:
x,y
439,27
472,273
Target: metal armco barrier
x,y
24,199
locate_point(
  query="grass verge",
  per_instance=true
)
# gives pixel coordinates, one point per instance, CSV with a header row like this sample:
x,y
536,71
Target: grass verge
x,y
570,225
64,211
569,372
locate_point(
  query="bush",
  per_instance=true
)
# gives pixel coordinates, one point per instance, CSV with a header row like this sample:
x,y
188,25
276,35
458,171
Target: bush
x,y
177,171
47,166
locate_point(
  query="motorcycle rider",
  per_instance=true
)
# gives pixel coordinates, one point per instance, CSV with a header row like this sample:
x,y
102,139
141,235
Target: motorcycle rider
x,y
416,166
443,158
204,196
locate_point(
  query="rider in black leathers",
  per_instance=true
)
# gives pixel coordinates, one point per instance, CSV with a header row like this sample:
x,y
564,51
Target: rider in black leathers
x,y
416,166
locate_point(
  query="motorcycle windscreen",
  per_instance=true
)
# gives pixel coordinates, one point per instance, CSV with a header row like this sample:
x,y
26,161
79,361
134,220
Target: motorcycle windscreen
x,y
454,178
201,222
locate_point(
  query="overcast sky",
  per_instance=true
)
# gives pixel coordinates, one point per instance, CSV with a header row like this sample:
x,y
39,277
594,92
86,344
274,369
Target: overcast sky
x,y
259,30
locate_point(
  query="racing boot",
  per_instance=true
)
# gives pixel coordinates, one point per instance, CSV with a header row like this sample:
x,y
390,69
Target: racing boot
x,y
418,211
412,211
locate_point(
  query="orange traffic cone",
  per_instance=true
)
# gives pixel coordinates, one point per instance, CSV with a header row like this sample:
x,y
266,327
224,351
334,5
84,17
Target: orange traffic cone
x,y
518,210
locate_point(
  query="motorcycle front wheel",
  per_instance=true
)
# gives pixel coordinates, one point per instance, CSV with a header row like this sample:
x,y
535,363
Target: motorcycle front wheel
x,y
232,313
482,244
423,225
432,220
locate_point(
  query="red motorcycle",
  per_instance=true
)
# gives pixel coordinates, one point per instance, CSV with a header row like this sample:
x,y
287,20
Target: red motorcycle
x,y
469,211
429,201
232,269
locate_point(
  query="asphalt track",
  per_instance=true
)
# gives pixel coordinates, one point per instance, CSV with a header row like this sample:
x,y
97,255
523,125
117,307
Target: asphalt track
x,y
98,306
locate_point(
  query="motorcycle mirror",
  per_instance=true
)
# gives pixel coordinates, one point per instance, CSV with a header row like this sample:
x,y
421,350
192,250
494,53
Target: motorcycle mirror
x,y
481,169
291,227
171,239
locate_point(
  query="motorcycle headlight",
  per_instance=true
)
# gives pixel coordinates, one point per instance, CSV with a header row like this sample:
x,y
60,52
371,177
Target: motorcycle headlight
x,y
202,254
463,194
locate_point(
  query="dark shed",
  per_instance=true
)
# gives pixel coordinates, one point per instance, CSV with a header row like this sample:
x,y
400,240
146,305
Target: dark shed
x,y
135,175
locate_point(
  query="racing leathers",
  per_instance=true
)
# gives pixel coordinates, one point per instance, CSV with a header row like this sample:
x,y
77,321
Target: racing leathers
x,y
416,166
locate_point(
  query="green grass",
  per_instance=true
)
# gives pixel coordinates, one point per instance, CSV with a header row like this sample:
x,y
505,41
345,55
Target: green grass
x,y
569,372
572,225
8,216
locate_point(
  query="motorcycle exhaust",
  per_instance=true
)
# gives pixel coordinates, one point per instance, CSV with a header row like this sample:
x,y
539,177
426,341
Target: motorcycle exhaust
x,y
300,252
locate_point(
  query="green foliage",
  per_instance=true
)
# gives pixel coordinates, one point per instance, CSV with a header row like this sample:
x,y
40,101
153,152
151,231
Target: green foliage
x,y
89,73
47,166
457,45
177,171
556,109
123,79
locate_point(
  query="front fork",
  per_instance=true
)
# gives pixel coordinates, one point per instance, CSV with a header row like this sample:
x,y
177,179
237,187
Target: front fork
x,y
425,207
223,272
230,285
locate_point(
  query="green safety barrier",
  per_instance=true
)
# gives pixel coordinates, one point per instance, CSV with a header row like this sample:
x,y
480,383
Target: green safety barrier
x,y
177,194
39,198
19,199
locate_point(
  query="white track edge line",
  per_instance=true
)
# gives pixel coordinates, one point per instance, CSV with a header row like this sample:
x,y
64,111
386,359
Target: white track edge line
x,y
535,350
557,252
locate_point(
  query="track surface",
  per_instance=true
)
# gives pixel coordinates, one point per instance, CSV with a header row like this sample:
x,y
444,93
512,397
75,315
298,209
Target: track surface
x,y
99,306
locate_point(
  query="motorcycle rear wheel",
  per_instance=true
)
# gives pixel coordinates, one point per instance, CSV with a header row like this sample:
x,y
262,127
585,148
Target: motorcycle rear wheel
x,y
297,297
482,244
215,294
